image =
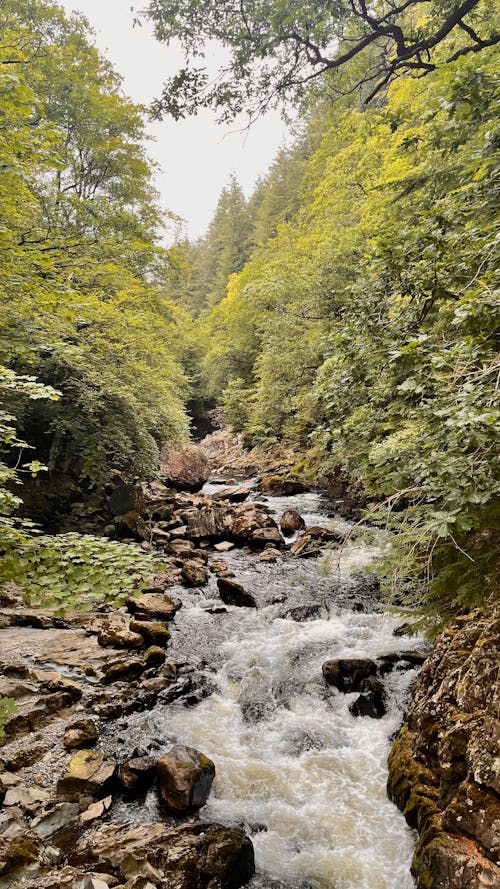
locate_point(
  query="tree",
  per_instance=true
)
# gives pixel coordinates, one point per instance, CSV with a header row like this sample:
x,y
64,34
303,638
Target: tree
x,y
364,333
81,267
277,48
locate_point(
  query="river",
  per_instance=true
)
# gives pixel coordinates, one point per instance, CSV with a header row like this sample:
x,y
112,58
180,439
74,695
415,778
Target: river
x,y
303,777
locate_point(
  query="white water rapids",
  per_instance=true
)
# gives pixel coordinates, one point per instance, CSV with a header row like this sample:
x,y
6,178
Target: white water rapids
x,y
303,777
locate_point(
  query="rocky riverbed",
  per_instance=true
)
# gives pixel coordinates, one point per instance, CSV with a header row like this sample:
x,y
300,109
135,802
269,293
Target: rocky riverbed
x,y
262,661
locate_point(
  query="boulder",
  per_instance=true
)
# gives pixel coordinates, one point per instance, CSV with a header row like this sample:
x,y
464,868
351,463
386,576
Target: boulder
x,y
152,631
291,521
186,469
154,605
55,817
234,594
184,778
96,810
266,536
348,674
137,774
269,554
115,635
89,771
193,574
372,701
154,656
82,733
279,486
131,524
123,669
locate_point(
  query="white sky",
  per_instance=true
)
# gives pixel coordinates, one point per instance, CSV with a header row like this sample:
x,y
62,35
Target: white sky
x,y
196,155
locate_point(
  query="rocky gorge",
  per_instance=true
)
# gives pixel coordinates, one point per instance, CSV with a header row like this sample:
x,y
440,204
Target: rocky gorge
x,y
230,725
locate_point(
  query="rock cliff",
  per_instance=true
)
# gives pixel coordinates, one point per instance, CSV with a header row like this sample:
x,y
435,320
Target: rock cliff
x,y
444,767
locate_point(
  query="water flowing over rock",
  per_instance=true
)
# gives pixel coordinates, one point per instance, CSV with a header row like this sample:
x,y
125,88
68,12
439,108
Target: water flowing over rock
x,y
444,767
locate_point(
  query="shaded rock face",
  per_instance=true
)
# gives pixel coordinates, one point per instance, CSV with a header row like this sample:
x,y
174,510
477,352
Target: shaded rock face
x,y
184,778
186,469
444,766
234,594
192,856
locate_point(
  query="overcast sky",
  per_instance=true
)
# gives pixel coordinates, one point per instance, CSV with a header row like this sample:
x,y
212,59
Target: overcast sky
x,y
197,156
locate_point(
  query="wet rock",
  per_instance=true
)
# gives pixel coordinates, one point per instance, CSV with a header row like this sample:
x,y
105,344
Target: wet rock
x,y
483,750
312,540
279,486
82,733
219,568
265,536
181,548
184,778
54,683
348,674
123,669
137,774
19,846
186,469
118,636
70,878
291,521
154,656
443,766
153,632
89,771
402,660
194,575
475,812
234,594
131,524
154,605
192,856
372,701
159,536
300,613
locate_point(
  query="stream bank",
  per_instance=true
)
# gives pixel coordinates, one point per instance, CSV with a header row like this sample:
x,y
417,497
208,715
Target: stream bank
x,y
300,774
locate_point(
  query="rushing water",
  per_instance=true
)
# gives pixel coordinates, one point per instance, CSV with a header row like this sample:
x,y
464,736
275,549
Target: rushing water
x,y
304,777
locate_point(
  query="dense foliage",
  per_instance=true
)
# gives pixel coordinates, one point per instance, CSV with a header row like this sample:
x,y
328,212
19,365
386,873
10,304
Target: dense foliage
x,y
364,329
92,353
81,269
